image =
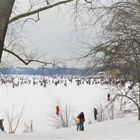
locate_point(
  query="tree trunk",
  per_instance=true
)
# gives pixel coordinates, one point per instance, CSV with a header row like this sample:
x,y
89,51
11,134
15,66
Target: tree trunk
x,y
6,7
139,104
139,114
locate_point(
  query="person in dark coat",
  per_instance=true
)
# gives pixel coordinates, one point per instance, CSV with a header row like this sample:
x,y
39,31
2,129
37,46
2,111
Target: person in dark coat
x,y
82,120
95,113
108,97
1,125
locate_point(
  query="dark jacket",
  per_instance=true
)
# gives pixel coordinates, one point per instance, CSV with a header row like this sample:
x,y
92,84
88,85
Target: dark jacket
x,y
82,117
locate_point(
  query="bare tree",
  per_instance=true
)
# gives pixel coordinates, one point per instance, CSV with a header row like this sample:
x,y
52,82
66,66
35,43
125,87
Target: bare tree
x,y
120,46
9,16
62,119
65,116
13,119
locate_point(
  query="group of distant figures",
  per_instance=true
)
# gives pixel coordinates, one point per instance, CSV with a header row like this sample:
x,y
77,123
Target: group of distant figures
x,y
16,81
81,118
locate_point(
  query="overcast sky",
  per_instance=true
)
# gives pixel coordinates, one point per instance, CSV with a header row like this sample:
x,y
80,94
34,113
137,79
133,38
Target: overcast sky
x,y
53,36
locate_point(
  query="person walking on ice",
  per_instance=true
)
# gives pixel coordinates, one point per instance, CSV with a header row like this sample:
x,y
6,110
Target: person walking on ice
x,y
108,97
1,125
95,114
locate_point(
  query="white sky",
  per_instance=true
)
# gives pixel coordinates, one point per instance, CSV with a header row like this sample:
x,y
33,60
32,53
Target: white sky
x,y
54,36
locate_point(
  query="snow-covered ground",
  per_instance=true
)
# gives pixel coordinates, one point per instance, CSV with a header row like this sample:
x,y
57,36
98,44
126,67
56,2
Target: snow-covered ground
x,y
126,128
39,106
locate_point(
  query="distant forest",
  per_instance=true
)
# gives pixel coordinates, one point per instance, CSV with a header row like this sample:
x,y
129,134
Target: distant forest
x,y
54,71
46,71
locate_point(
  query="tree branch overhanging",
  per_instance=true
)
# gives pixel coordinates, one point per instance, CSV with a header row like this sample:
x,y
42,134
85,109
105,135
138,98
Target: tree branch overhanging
x,y
38,10
28,61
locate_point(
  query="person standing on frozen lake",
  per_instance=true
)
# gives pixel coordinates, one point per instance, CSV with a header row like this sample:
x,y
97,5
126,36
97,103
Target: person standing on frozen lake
x,y
108,97
57,110
1,125
95,113
82,120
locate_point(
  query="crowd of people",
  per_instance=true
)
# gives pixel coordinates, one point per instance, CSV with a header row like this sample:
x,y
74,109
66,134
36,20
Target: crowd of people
x,y
44,81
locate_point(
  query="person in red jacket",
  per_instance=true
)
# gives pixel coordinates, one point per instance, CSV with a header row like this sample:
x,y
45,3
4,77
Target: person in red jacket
x,y
57,110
